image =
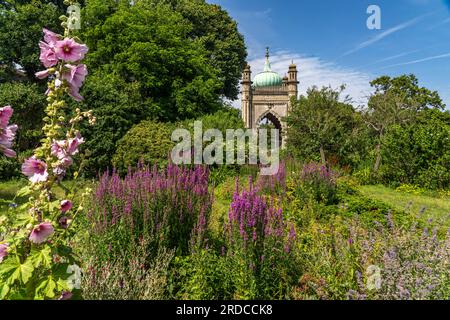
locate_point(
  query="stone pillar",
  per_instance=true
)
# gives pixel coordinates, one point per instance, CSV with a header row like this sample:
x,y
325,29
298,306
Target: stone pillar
x,y
246,92
292,82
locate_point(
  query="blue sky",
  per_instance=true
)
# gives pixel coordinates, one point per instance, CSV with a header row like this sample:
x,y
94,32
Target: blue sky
x,y
331,44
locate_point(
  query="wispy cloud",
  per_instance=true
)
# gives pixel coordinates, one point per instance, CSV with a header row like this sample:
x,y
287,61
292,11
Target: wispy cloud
x,y
441,56
385,34
440,24
390,58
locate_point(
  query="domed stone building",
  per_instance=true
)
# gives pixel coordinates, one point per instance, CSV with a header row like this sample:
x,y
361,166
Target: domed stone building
x,y
268,96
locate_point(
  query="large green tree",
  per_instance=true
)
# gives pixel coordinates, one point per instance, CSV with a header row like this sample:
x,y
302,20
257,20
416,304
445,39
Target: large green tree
x,y
321,125
396,101
220,36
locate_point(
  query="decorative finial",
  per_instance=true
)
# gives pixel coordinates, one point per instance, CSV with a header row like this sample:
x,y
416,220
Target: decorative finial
x,y
267,52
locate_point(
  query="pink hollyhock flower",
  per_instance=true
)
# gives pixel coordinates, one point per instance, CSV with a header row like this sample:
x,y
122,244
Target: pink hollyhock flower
x,y
74,92
5,115
69,50
50,37
75,75
41,232
6,140
3,251
48,56
58,149
66,205
74,144
35,169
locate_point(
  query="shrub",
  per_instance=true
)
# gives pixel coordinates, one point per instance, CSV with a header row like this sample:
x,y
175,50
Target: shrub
x,y
316,184
204,275
148,142
129,276
419,153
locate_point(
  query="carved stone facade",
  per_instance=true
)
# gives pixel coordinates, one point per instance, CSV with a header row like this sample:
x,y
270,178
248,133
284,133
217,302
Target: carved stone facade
x,y
268,97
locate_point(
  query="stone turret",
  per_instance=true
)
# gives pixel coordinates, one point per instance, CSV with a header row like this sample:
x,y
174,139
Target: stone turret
x,y
292,82
247,96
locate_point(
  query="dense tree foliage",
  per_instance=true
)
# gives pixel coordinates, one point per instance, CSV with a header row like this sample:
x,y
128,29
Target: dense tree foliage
x,y
396,101
218,33
21,24
419,152
148,142
320,126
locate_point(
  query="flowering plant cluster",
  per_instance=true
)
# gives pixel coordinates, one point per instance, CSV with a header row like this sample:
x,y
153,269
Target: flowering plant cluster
x,y
257,232
316,184
36,254
273,184
7,132
171,207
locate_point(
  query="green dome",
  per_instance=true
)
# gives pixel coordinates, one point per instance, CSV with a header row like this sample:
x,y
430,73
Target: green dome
x,y
267,78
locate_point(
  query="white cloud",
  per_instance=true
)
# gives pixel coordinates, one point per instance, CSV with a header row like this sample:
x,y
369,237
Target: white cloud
x,y
313,71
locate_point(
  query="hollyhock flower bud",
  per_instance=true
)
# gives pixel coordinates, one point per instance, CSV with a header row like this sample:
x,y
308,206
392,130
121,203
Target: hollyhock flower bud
x,y
41,232
66,205
35,169
48,56
3,251
69,50
9,153
64,222
42,74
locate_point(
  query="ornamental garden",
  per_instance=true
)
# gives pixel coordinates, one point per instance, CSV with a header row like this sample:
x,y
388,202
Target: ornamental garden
x,y
94,207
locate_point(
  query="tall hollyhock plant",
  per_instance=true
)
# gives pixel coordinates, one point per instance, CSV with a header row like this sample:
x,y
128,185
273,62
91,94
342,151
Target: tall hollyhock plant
x,y
37,256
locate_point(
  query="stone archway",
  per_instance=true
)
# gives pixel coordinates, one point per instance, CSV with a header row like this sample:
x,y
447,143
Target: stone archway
x,y
275,120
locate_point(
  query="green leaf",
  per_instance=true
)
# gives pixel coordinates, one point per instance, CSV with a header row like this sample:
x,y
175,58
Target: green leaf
x,y
41,256
4,289
46,288
24,191
13,270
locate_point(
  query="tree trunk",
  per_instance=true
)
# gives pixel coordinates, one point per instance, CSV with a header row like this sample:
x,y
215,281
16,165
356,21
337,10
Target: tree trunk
x,y
378,160
322,156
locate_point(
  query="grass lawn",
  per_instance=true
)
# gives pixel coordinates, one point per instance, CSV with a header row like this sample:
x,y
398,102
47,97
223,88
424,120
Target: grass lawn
x,y
9,189
437,209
